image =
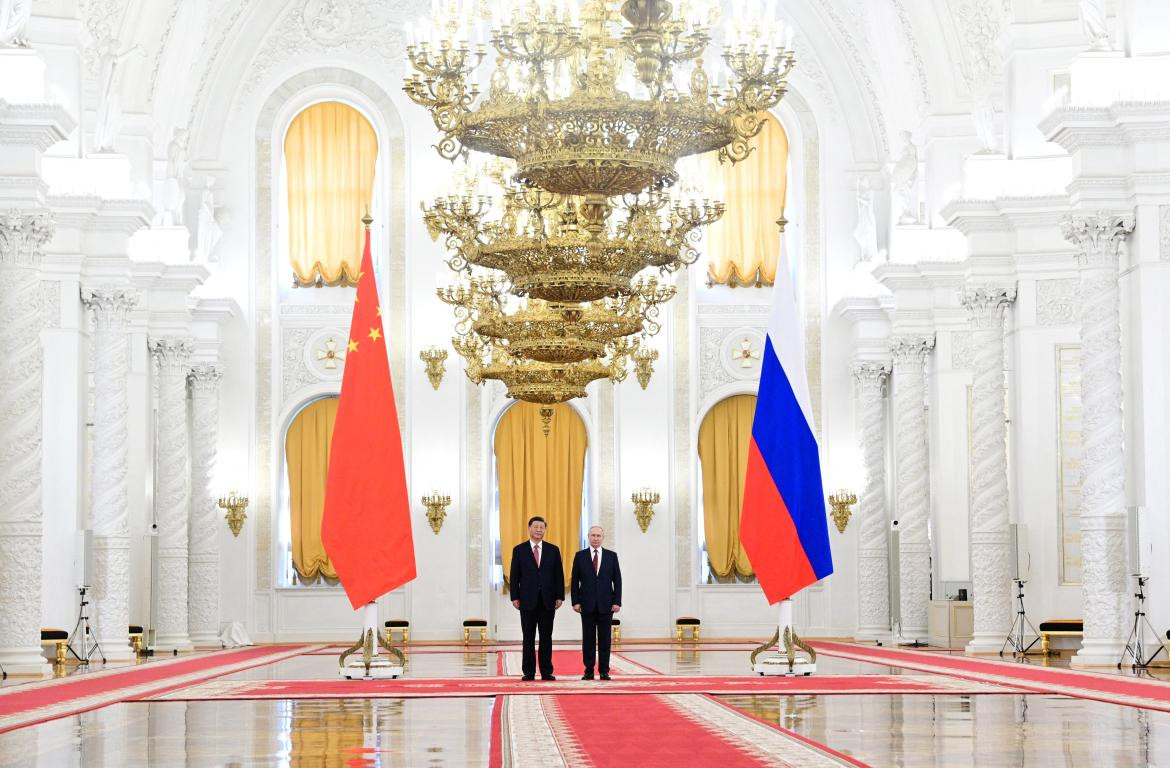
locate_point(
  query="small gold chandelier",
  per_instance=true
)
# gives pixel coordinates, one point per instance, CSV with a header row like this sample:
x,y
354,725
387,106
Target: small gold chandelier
x,y
586,115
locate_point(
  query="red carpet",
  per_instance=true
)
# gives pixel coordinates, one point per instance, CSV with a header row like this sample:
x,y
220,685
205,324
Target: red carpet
x,y
447,687
36,702
1111,688
652,731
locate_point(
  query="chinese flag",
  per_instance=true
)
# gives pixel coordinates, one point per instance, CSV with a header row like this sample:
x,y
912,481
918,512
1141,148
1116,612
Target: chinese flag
x,y
366,528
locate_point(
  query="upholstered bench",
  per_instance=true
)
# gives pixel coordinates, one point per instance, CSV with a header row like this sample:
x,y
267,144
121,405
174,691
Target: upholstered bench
x,y
136,638
470,624
616,630
402,625
1059,628
685,622
60,640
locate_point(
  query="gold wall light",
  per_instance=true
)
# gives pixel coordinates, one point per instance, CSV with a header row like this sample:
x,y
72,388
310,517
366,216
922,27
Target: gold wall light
x,y
644,500
233,505
842,503
436,504
434,357
644,358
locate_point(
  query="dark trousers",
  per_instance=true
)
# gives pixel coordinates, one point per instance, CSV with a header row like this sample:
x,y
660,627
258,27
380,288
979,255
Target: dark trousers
x,y
595,638
540,618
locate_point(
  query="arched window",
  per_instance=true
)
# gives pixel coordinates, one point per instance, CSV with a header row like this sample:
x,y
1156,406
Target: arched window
x,y
743,247
330,157
306,463
724,437
539,473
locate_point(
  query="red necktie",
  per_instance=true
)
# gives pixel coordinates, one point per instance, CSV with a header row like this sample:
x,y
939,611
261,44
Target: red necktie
x,y
595,569
536,551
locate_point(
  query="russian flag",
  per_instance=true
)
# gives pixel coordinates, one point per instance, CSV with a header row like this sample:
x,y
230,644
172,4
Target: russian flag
x,y
783,526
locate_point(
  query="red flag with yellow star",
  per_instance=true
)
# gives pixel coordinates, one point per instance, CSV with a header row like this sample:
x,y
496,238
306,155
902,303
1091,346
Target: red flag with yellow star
x,y
366,528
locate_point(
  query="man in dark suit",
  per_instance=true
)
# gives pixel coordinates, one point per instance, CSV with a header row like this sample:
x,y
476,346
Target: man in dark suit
x,y
537,581
596,586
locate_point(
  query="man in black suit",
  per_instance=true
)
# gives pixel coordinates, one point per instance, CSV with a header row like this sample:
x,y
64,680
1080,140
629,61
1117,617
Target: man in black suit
x,y
537,581
596,586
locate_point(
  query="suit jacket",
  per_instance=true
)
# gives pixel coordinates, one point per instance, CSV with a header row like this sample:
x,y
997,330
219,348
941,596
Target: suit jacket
x,y
527,582
596,593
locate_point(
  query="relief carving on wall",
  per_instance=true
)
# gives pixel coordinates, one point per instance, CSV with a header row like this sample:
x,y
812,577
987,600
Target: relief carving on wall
x,y
1057,301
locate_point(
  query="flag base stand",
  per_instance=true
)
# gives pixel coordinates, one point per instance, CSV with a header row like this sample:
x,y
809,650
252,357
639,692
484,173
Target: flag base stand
x,y
798,660
370,665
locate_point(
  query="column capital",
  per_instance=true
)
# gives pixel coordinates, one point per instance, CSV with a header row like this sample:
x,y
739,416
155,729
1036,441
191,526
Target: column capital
x,y
171,353
870,375
1097,237
110,304
911,348
23,236
986,302
205,377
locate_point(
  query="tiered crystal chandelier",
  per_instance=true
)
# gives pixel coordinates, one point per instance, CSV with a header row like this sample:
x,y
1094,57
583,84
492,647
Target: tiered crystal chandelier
x,y
587,115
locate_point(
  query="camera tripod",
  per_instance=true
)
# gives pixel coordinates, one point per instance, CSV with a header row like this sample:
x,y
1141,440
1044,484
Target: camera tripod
x,y
82,634
1135,646
1016,635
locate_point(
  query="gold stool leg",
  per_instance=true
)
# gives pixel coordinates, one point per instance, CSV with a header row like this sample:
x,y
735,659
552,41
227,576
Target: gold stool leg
x,y
695,636
1044,643
62,645
466,635
406,635
678,632
483,634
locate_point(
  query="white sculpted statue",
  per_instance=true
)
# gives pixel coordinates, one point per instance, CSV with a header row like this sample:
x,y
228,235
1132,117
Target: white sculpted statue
x,y
109,114
865,233
13,20
209,229
175,191
1095,25
983,116
904,182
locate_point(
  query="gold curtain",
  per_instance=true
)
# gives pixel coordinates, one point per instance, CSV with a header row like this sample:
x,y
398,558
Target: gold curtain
x,y
724,437
744,245
329,156
540,475
306,450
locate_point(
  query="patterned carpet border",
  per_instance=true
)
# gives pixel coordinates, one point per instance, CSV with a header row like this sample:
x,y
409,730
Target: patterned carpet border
x,y
511,686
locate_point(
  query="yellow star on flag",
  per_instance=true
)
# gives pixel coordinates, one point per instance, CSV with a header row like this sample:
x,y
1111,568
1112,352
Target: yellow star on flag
x,y
352,345
375,334
379,310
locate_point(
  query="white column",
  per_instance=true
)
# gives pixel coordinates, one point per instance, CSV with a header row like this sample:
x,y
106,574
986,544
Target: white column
x,y
991,553
22,238
873,572
203,532
172,492
108,471
1103,517
912,508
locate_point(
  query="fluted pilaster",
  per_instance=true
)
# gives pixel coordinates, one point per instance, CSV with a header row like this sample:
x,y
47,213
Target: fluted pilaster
x,y
110,306
1103,519
991,554
911,503
203,531
873,574
173,484
23,236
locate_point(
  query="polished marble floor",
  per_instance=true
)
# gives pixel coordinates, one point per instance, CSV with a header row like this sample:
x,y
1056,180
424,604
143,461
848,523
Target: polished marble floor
x,y
881,730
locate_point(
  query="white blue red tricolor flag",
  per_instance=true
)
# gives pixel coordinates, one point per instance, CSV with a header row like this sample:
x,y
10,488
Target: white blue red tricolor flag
x,y
783,526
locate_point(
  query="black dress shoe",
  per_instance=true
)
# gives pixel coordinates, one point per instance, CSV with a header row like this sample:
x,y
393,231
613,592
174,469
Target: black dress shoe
x,y
547,677
604,675
587,676
528,677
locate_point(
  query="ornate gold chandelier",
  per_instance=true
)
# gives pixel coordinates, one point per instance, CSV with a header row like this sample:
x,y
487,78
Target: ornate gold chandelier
x,y
588,115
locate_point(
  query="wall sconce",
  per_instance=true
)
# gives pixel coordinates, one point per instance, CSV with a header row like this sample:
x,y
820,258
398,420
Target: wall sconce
x,y
233,506
434,358
436,504
644,500
644,358
841,502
